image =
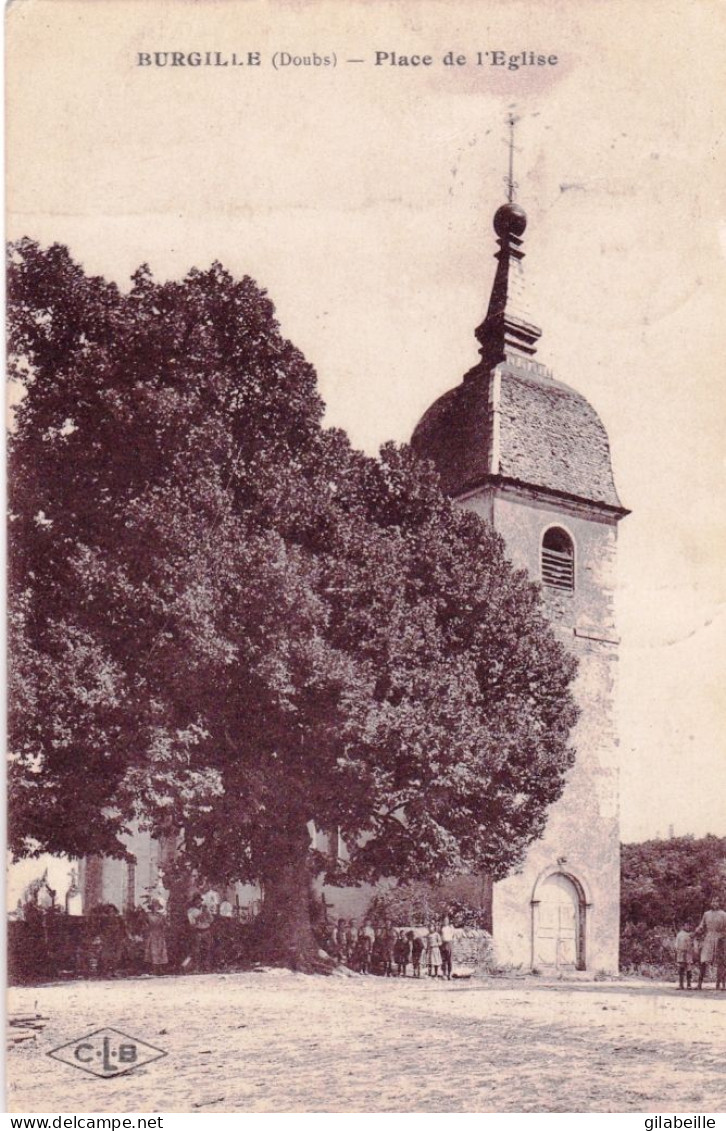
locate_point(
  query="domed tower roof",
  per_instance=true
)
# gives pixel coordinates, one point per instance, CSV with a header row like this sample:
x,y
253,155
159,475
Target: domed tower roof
x,y
509,421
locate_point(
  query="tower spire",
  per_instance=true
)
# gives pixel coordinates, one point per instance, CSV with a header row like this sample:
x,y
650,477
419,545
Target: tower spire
x,y
506,330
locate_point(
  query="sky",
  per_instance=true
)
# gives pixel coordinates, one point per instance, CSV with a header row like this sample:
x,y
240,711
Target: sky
x,y
361,197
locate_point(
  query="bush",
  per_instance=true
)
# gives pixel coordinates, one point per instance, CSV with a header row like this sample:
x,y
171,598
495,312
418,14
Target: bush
x,y
648,951
418,902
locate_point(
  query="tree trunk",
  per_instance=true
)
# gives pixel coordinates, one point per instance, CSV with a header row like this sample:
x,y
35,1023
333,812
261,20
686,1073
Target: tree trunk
x,y
283,934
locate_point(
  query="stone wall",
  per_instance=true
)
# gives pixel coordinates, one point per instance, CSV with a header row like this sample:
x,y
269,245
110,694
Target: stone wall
x,y
581,841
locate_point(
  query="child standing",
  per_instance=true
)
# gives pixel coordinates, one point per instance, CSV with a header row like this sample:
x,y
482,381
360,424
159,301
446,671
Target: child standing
x,y
368,938
388,944
447,947
433,951
360,954
351,943
400,950
339,941
417,949
684,956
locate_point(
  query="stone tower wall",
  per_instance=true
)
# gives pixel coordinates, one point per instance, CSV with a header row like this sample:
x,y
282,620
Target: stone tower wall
x,y
582,835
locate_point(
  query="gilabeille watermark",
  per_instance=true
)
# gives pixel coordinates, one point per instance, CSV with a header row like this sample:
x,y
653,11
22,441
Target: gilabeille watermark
x,y
679,1122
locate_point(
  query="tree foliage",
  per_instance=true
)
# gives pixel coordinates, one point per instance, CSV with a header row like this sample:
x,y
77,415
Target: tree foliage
x,y
226,621
664,885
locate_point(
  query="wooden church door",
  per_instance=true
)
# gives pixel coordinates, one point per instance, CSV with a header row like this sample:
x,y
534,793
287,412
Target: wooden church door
x,y
556,924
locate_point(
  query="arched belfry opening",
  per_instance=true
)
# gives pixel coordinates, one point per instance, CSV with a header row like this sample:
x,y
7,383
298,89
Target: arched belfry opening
x,y
559,923
558,560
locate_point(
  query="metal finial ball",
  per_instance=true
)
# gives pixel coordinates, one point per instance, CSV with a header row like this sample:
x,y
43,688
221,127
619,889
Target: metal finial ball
x,y
510,220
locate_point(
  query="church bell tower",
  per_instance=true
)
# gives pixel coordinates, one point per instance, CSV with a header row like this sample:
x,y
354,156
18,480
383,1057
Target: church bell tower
x,y
529,455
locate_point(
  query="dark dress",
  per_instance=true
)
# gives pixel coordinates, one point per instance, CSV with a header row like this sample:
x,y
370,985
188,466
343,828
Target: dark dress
x,y
417,949
402,954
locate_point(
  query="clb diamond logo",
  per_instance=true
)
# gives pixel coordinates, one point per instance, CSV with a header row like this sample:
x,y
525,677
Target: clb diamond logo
x,y
106,1053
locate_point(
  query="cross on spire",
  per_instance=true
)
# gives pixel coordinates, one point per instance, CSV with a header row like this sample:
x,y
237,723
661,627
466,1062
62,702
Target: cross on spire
x,y
509,179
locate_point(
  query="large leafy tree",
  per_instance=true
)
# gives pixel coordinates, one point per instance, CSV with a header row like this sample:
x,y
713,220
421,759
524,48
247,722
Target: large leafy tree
x,y
227,623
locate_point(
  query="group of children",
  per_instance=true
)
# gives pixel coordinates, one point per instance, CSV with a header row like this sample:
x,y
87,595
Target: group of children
x,y
704,947
390,952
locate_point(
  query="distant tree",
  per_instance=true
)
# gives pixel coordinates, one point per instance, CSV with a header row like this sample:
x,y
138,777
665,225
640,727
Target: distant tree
x,y
228,624
666,883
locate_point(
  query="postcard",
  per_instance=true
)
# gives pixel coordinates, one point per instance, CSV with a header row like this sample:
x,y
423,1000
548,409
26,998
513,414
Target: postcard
x,y
366,549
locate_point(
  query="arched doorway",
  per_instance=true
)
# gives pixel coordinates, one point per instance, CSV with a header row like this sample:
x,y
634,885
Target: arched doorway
x,y
558,922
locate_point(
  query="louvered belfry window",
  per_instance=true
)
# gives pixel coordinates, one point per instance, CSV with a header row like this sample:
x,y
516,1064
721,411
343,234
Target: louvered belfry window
x,y
558,560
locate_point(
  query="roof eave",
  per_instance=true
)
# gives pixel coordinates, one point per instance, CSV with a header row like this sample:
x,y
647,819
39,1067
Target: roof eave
x,y
471,488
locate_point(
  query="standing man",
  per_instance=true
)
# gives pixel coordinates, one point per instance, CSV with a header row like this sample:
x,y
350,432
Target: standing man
x,y
714,925
721,963
200,924
447,947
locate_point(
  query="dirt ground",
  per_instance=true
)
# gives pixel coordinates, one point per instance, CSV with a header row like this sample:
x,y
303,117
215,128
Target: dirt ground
x,y
272,1041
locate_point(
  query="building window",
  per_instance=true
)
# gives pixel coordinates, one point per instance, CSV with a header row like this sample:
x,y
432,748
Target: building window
x,y
558,560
